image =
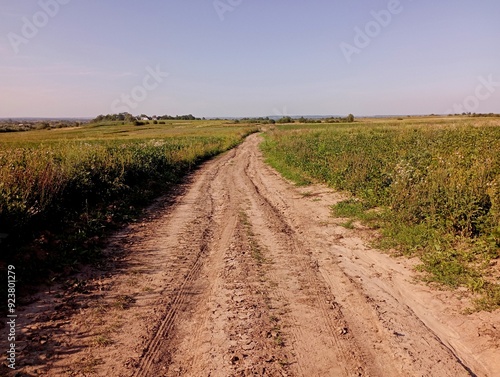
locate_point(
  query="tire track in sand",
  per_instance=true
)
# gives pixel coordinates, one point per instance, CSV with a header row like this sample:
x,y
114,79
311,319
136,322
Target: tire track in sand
x,y
318,330
323,335
191,236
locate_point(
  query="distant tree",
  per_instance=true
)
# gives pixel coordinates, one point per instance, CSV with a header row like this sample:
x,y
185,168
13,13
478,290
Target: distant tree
x,y
286,119
350,118
43,126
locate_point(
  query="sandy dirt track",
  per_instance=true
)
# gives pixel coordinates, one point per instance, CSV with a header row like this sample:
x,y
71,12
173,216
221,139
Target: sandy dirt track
x,y
244,274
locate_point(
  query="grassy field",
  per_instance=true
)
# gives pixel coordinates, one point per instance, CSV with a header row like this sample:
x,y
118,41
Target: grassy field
x,y
60,189
431,185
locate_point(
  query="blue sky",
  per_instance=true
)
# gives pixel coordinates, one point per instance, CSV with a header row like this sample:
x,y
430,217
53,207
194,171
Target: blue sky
x,y
248,57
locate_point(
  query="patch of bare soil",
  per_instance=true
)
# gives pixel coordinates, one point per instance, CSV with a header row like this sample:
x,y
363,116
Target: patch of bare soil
x,y
245,274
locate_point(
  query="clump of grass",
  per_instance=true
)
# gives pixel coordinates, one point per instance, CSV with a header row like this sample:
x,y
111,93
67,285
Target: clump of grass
x,y
279,340
255,247
490,300
350,208
349,224
123,302
102,341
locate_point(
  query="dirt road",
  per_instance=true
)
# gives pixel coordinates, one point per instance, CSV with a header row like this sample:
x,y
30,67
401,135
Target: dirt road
x,y
247,275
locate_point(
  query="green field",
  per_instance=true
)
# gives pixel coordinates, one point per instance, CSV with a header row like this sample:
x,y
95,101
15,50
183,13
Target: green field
x,y
61,189
432,186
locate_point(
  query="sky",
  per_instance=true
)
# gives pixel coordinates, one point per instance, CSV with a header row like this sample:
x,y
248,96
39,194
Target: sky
x,y
222,58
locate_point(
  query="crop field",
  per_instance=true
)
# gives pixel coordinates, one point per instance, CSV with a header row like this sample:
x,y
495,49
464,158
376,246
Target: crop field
x,y
431,186
79,181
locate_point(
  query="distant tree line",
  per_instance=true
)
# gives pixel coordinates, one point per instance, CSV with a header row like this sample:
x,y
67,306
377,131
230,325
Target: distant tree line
x,y
348,119
475,115
123,117
289,119
29,125
127,117
308,120
178,117
259,120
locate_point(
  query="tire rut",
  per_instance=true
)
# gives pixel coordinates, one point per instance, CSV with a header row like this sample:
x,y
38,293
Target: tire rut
x,y
155,355
343,356
414,357
230,322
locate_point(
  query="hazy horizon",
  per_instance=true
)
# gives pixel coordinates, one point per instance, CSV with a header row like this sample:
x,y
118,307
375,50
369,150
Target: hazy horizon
x,y
221,58
294,116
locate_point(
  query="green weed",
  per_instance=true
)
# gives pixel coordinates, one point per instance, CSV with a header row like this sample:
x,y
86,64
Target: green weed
x,y
349,224
432,188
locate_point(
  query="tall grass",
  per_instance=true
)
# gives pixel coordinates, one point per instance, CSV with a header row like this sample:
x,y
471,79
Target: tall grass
x,y
61,191
34,182
438,186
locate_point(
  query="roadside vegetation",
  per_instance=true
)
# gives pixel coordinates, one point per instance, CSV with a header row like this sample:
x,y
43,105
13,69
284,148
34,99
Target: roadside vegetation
x,y
61,190
432,187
